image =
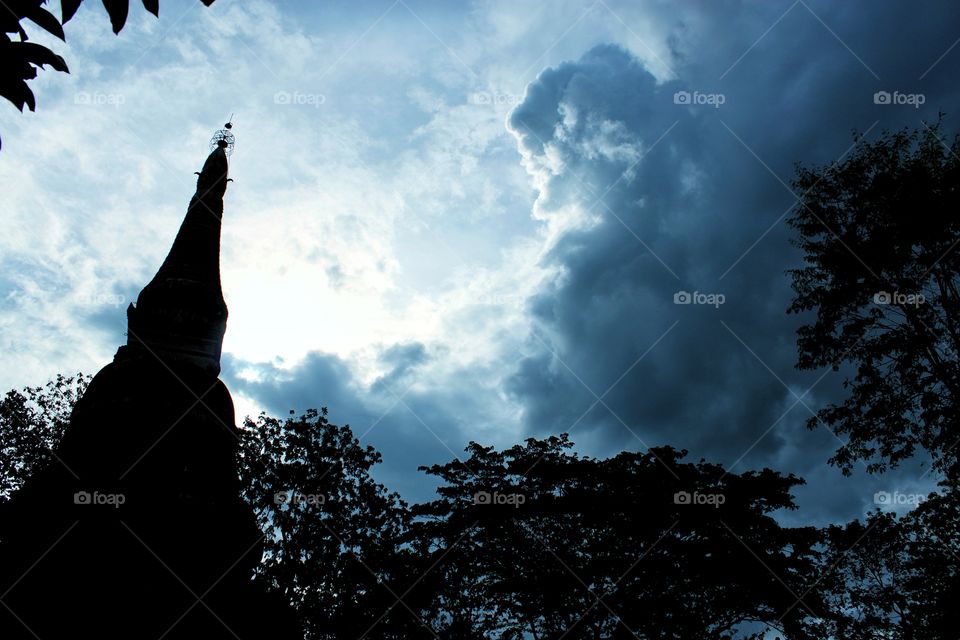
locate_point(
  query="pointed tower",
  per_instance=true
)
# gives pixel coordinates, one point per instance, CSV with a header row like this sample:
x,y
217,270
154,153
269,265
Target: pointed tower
x,y
138,530
180,316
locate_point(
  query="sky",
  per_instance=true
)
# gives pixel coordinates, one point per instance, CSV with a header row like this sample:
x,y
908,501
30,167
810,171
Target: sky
x,y
472,221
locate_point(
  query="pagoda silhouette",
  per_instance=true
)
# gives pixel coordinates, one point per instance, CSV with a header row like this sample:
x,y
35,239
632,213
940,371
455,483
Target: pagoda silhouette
x,y
138,529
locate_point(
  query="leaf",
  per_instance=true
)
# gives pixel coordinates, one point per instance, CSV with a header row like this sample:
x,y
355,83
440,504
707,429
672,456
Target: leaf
x,y
68,8
153,6
117,9
38,54
19,94
46,20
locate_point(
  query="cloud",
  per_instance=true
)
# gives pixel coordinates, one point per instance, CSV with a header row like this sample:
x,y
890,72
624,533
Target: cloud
x,y
410,420
658,188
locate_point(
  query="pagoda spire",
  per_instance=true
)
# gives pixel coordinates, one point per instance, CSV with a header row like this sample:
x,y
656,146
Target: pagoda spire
x,y
181,316
155,432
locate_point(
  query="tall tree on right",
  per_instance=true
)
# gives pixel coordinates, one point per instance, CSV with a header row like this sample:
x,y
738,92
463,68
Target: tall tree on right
x,y
881,236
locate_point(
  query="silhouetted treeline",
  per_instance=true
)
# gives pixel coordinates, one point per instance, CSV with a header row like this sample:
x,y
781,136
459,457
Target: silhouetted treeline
x,y
537,541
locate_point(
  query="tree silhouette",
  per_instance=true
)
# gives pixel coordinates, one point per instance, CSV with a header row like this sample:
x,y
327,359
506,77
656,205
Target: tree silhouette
x,y
879,231
539,542
536,541
32,422
865,566
896,577
22,58
333,535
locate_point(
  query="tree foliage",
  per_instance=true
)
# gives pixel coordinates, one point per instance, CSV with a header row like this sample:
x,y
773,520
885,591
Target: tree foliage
x,y
32,422
880,234
536,541
896,577
333,534
539,542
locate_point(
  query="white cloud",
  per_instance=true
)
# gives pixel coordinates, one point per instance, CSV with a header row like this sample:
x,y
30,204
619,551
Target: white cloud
x,y
344,228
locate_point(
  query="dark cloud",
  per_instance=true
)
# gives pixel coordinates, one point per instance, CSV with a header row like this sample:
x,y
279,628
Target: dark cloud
x,y
678,195
410,427
403,360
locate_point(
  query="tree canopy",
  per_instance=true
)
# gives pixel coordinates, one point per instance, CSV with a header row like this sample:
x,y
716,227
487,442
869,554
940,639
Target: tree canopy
x,y
879,232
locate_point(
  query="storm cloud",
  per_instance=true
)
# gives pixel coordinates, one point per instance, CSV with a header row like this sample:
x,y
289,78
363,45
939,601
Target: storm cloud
x,y
667,323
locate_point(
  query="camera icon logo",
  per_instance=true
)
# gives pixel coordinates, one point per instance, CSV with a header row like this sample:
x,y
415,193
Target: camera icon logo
x,y
682,297
882,497
281,97
682,497
482,497
881,97
881,297
681,97
82,497
280,497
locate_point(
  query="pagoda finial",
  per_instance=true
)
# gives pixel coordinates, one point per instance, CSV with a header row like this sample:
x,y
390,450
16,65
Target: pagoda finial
x,y
180,316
